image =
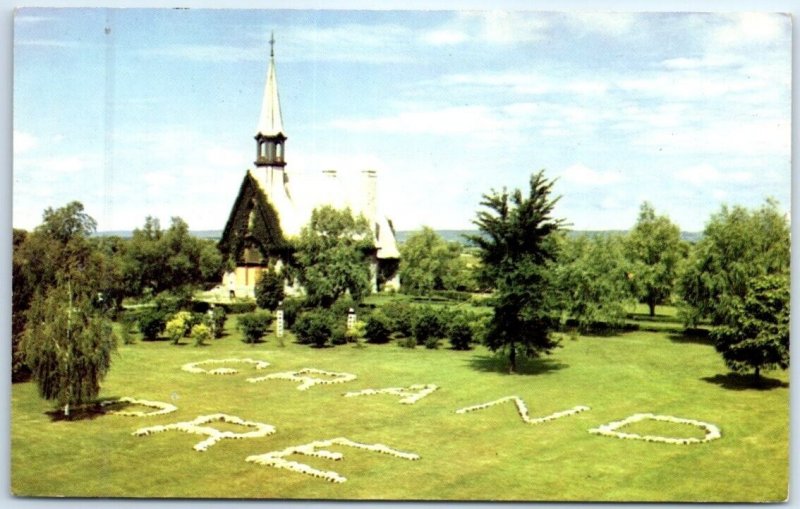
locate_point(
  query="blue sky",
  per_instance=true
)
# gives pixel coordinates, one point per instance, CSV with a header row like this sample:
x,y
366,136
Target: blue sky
x,y
156,116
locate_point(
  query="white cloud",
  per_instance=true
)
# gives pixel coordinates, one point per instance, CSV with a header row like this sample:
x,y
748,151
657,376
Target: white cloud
x,y
24,142
583,175
753,27
444,36
446,121
742,138
607,23
213,53
705,62
705,173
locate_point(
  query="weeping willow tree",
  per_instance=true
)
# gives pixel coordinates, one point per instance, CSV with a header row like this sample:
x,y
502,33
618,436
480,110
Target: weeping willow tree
x,y
68,345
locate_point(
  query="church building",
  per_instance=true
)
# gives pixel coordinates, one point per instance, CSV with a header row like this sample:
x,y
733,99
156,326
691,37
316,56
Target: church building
x,y
274,204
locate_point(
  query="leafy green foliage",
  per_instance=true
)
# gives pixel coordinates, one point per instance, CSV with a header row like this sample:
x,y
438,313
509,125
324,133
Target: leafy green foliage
x,y
738,245
593,281
269,290
428,262
429,323
315,327
655,248
291,309
460,331
178,326
757,337
254,325
401,317
60,251
67,344
378,328
200,333
518,249
218,317
252,225
332,254
159,260
151,322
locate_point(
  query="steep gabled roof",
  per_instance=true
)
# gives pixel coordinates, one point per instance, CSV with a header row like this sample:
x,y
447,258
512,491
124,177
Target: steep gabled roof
x,y
265,230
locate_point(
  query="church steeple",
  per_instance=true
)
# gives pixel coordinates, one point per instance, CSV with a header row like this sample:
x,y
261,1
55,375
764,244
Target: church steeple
x,y
270,138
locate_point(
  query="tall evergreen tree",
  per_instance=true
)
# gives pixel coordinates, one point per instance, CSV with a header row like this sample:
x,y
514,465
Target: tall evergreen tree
x,y
518,249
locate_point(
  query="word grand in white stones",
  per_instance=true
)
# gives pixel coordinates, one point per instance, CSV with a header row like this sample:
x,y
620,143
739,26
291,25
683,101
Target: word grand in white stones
x,y
161,408
308,381
194,367
214,435
409,395
276,459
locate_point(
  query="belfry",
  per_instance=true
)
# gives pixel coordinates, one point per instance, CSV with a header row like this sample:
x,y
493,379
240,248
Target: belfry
x,y
272,205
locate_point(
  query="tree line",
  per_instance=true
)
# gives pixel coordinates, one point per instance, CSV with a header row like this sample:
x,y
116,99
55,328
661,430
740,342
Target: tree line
x,y
68,284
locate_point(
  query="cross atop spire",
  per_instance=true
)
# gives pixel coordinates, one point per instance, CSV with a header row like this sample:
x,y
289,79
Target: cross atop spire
x,y
272,45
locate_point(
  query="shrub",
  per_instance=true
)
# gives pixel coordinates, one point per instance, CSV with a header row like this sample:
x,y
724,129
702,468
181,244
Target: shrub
x,y
460,331
126,324
314,327
429,323
151,322
407,342
432,343
357,333
200,333
342,306
377,328
339,334
237,307
178,326
401,317
291,309
269,290
254,326
217,321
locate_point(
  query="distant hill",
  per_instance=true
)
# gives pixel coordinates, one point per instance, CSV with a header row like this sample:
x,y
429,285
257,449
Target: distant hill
x,y
402,235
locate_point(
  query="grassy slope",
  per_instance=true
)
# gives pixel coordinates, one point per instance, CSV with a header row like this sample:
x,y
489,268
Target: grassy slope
x,y
490,454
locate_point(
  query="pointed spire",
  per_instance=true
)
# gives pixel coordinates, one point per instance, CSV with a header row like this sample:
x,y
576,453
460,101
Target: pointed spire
x,y
270,122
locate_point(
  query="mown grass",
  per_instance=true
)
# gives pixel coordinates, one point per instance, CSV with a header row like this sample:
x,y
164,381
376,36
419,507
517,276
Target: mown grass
x,y
483,455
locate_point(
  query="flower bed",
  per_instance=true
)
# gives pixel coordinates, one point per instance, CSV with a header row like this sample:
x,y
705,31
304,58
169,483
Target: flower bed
x,y
523,410
194,367
610,430
409,395
161,407
214,435
277,459
308,381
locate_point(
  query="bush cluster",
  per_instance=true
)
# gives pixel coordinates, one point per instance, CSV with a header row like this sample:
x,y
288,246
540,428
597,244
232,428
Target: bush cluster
x,y
254,325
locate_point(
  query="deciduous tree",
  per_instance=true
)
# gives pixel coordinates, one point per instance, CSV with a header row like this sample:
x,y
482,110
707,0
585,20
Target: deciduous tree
x,y
68,345
428,262
518,249
758,336
332,253
593,281
654,246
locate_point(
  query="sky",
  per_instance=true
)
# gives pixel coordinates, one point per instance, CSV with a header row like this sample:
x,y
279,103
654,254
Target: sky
x,y
141,112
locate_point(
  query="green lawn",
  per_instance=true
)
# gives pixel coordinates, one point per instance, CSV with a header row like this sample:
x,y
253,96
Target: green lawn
x,y
484,455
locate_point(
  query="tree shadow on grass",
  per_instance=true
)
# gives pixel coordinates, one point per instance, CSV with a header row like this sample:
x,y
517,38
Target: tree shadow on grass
x,y
499,364
745,382
697,336
88,411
